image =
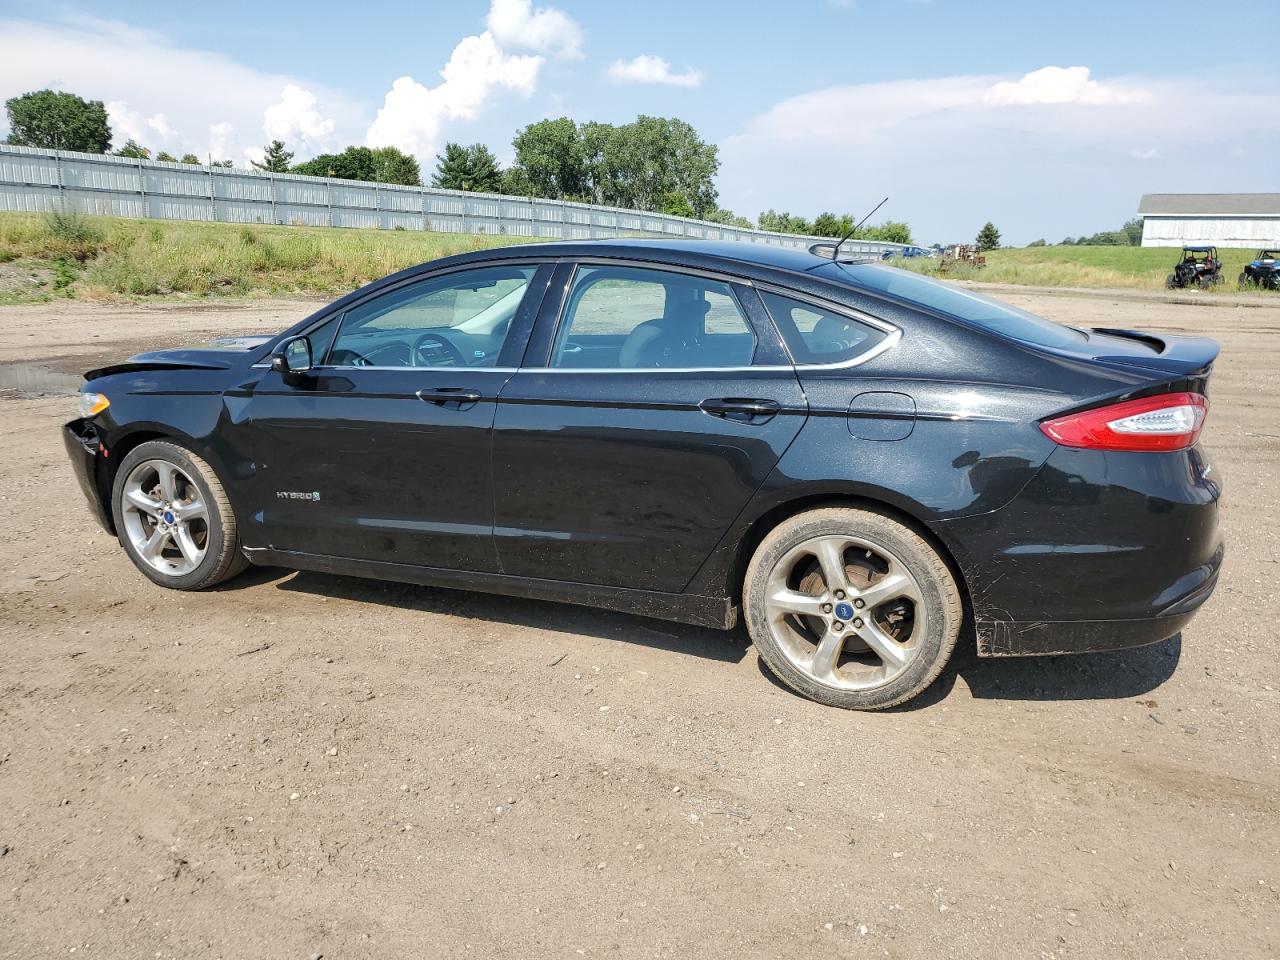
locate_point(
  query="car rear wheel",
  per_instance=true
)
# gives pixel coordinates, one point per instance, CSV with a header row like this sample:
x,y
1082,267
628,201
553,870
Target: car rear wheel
x,y
173,518
851,608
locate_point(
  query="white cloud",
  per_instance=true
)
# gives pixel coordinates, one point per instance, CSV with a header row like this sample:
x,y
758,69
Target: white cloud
x,y
297,120
162,94
1150,153
412,114
516,24
154,131
1062,85
650,69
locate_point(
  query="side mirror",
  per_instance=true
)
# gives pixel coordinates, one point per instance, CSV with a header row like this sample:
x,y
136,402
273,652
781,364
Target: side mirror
x,y
292,357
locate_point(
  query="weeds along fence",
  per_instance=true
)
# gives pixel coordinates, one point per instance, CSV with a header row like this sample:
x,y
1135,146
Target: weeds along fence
x,y
41,181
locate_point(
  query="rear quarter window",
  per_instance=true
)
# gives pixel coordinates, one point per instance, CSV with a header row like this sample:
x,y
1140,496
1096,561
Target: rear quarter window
x,y
817,335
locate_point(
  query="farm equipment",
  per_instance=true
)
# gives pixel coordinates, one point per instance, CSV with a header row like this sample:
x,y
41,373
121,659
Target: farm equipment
x,y
1263,272
1199,267
961,255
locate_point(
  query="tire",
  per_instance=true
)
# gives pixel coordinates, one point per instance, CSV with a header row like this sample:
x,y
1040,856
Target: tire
x,y
1171,282
173,518
1244,282
875,661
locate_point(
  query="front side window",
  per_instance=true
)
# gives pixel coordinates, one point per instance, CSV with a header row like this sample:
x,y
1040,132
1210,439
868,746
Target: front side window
x,y
637,318
815,334
457,320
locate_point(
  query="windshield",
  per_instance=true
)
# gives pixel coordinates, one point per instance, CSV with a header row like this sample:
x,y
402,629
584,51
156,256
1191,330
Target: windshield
x,y
962,304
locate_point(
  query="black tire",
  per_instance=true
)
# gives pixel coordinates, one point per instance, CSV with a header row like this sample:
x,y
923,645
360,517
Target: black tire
x,y
1171,282
223,558
944,612
1244,281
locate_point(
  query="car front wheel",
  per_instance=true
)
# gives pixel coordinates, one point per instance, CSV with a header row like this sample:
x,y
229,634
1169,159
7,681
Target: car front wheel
x,y
851,608
173,518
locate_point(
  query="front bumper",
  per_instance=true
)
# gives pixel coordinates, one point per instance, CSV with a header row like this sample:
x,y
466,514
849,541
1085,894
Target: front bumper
x,y
84,447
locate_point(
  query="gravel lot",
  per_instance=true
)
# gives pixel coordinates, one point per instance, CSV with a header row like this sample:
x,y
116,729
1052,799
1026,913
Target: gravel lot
x,y
301,765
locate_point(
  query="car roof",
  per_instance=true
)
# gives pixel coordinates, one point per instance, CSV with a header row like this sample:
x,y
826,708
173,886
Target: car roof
x,y
670,249
1199,249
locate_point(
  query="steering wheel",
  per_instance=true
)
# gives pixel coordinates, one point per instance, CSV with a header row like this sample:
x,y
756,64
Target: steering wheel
x,y
433,350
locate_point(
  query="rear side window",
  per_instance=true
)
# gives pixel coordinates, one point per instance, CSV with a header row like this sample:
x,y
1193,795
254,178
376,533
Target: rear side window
x,y
814,334
965,305
630,318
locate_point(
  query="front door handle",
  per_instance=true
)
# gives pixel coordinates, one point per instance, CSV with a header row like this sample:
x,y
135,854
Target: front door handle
x,y
455,398
741,409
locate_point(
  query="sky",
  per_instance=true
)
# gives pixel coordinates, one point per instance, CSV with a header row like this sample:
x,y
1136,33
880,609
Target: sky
x,y
1048,119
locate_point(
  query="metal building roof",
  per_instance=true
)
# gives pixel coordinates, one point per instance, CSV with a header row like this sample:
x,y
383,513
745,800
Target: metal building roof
x,y
1210,204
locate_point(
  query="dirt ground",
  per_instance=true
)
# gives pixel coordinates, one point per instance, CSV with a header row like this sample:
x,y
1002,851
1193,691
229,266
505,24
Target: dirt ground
x,y
301,765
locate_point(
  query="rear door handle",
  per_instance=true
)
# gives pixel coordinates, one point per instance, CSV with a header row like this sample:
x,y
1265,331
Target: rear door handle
x,y
455,398
741,409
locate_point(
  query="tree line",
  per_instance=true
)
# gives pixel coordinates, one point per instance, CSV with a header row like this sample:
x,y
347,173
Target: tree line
x,y
653,164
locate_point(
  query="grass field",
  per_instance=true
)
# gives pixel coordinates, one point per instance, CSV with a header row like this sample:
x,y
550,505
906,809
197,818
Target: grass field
x,y
44,258
1142,268
107,258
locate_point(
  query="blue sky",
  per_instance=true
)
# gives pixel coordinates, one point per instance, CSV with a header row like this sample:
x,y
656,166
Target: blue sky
x,y
1049,119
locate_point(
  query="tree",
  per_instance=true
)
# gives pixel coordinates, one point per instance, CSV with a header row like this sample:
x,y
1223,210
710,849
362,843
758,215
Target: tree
x,y
190,158
1132,229
472,168
988,237
392,165
134,149
550,154
676,204
729,218
783,223
275,158
353,163
1037,243
166,156
55,120
515,183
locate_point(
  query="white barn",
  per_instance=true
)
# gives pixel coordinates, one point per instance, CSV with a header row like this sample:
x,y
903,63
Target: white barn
x,y
1221,219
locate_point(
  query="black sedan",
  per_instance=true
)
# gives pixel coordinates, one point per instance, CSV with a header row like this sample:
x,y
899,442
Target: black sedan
x,y
864,464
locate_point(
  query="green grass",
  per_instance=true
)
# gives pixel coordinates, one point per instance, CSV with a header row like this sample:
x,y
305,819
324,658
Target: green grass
x,y
1137,268
109,258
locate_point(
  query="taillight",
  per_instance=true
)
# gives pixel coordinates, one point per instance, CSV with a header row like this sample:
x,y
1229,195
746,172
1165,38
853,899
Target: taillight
x,y
1170,421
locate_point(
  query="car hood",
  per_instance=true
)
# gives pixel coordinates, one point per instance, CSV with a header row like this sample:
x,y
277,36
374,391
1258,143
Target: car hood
x,y
220,354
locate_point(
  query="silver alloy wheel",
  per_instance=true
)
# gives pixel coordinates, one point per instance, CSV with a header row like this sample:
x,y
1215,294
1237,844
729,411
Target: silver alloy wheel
x,y
165,518
845,611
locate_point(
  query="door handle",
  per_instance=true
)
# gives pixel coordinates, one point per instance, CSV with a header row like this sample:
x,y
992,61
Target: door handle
x,y
741,409
456,398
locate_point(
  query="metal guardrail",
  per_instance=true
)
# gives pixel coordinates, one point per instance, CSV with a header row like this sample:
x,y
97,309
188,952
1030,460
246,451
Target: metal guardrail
x,y
39,181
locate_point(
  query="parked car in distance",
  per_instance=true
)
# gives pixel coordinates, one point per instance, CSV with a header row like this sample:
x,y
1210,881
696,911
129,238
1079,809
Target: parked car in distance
x,y
1199,267
863,463
908,253
1263,272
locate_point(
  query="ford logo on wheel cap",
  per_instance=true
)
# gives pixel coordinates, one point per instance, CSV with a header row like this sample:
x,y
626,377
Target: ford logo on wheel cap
x,y
168,517
844,611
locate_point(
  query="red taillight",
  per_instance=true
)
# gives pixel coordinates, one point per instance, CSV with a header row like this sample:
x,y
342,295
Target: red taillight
x,y
1170,421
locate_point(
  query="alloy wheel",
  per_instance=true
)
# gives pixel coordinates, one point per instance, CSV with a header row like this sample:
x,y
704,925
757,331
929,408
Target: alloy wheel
x,y
845,611
165,517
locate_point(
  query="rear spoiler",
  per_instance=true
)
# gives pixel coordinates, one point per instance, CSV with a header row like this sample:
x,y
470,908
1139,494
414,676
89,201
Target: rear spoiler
x,y
1181,355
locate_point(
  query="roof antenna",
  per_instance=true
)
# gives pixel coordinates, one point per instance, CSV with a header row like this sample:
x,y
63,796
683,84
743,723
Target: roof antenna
x,y
835,251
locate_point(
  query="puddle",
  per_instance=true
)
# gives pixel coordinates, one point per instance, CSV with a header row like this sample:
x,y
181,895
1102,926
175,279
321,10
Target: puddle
x,y
37,380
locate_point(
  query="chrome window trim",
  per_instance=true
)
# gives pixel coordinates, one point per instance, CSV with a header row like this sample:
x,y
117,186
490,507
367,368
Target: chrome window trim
x,y
403,369
887,343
